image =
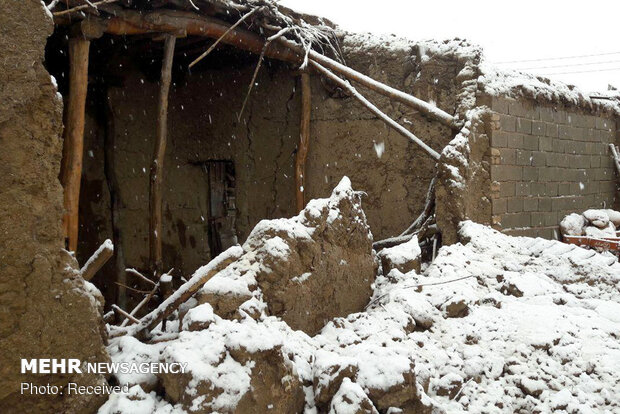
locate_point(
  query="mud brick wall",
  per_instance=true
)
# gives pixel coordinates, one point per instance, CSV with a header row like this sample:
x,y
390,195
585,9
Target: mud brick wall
x,y
548,161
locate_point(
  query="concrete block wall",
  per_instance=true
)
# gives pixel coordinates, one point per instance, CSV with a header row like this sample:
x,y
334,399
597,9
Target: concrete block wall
x,y
547,162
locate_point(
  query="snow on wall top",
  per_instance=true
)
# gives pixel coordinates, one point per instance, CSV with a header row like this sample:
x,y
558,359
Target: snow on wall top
x,y
514,84
492,80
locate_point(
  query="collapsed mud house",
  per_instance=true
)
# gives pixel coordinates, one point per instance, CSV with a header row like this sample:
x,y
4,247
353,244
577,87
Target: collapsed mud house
x,y
513,152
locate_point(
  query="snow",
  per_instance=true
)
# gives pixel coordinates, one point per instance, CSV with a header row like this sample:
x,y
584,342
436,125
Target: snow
x,y
538,332
403,253
502,82
591,223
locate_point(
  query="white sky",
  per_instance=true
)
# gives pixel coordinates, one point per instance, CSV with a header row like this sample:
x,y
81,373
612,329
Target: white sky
x,y
514,30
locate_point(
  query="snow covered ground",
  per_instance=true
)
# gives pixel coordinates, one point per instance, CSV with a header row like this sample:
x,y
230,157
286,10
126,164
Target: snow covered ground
x,y
498,324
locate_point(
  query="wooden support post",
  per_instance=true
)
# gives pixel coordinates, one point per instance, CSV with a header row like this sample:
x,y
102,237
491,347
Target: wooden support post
x,y
73,146
157,166
304,141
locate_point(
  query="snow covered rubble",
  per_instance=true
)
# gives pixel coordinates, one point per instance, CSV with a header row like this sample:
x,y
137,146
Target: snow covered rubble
x,y
494,324
592,223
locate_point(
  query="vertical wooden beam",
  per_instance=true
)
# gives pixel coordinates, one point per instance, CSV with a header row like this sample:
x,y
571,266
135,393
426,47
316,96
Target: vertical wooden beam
x,y
73,146
304,141
157,166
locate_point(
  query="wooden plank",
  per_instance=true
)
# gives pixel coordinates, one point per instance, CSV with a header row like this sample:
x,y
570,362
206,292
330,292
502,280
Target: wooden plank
x,y
97,260
73,146
304,141
186,291
157,166
611,243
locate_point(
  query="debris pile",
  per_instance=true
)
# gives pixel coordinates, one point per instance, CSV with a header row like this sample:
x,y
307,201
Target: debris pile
x,y
305,270
495,323
591,223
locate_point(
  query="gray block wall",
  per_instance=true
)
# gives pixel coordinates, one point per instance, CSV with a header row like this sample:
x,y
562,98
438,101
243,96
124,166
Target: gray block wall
x,y
547,162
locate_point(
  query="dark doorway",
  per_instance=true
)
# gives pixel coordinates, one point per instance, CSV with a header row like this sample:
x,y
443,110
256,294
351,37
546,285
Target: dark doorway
x,y
222,205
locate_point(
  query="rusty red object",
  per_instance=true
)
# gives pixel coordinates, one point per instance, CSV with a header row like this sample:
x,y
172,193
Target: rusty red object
x,y
606,243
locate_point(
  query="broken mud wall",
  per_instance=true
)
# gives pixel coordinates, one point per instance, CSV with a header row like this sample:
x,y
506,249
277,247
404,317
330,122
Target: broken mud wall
x,y
549,160
46,310
345,140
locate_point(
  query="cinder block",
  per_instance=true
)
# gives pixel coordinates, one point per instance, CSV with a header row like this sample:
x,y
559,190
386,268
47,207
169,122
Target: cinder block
x,y
508,123
551,218
551,189
499,206
603,124
524,157
545,143
499,139
538,128
590,121
558,145
523,189
537,219
530,142
564,131
577,134
544,204
537,188
524,125
549,174
570,147
549,233
514,205
582,161
508,156
515,141
523,110
553,159
507,189
563,190
579,120
546,114
530,174
500,104
605,136
505,173
515,220
539,159
551,130
530,204
560,117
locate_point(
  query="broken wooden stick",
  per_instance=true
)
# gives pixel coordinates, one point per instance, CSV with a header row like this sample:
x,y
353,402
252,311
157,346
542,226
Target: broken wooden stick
x,y
365,102
226,33
97,260
139,275
159,154
125,314
87,5
304,141
73,145
186,291
143,302
379,87
429,205
616,157
260,61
